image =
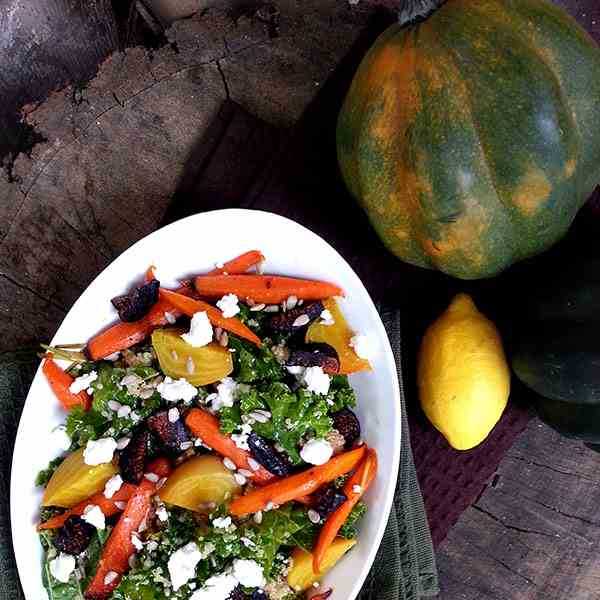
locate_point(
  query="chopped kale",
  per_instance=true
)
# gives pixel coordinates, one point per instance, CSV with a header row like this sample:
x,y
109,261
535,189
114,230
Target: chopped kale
x,y
44,476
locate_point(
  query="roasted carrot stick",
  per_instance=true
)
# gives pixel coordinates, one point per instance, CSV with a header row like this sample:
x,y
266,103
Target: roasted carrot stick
x,y
206,427
119,546
265,288
354,490
107,505
296,486
189,306
239,264
60,382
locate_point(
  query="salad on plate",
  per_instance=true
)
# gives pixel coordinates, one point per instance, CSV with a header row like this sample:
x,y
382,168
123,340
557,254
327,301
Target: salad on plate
x,y
210,449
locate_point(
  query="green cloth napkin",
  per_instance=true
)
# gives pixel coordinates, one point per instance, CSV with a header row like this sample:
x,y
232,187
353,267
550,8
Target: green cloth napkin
x,y
405,565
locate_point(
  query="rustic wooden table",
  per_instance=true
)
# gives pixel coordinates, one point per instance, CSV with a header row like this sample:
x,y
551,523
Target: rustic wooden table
x,y
114,153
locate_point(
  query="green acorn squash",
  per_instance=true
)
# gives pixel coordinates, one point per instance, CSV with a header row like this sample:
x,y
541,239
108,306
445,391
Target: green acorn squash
x,y
471,139
559,361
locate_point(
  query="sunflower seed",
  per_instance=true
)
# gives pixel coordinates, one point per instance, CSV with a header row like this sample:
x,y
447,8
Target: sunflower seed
x,y
314,516
190,367
239,478
258,517
245,473
257,307
291,302
301,321
254,465
229,464
272,308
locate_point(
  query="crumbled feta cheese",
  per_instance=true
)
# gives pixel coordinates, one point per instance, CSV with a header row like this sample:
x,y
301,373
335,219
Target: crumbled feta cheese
x,y
124,411
98,452
112,357
123,442
173,415
225,395
356,489
294,370
182,564
113,405
162,514
247,542
316,380
83,382
326,318
180,389
241,439
151,545
218,587
62,566
201,331
112,486
110,577
93,515
363,346
137,543
229,305
219,265
60,440
248,573
153,477
222,522
316,452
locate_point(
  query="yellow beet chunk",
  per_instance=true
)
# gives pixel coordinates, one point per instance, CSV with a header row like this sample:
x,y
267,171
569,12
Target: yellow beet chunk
x,y
198,482
75,481
338,336
301,576
200,366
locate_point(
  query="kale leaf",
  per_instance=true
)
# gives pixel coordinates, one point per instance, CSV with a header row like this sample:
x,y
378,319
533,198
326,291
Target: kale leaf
x,y
44,476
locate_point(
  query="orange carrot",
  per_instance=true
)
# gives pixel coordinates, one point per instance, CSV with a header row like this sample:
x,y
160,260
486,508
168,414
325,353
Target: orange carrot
x,y
107,505
296,486
124,335
119,546
189,306
239,264
60,382
354,489
265,288
206,427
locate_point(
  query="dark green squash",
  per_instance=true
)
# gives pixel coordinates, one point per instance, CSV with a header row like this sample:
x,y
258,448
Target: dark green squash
x,y
560,362
471,139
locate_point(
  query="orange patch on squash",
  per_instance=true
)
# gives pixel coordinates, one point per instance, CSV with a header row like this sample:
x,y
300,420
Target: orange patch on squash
x,y
532,192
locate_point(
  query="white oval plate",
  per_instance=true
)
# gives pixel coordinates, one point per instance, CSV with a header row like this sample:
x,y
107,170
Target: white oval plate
x,y
194,245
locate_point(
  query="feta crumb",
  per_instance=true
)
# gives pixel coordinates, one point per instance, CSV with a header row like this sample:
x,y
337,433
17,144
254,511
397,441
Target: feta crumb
x,y
294,370
137,543
173,415
326,318
248,573
225,396
123,442
124,411
222,522
60,440
113,357
218,587
110,577
62,566
356,489
316,380
83,382
112,486
229,305
182,564
363,346
180,389
201,331
151,546
241,439
98,452
316,451
113,405
247,542
162,514
120,505
93,515
153,477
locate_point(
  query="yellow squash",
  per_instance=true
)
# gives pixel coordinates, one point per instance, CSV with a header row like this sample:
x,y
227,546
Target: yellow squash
x,y
463,376
198,482
338,336
301,576
200,366
75,481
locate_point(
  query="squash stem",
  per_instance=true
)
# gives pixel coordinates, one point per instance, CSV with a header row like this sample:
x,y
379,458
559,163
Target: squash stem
x,y
415,11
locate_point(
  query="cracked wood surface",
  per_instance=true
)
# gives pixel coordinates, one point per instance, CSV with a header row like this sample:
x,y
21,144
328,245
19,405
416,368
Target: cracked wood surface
x,y
116,153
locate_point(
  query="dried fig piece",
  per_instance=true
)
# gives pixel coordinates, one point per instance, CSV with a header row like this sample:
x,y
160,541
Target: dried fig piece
x,y
170,434
136,304
326,500
133,458
296,319
347,423
74,536
268,457
315,355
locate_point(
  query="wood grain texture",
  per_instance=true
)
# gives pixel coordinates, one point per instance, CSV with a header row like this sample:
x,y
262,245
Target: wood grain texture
x,y
119,149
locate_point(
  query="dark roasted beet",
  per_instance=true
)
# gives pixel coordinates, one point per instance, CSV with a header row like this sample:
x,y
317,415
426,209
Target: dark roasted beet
x,y
346,422
326,500
133,457
170,435
284,322
239,594
323,595
315,355
259,594
268,457
74,536
136,304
